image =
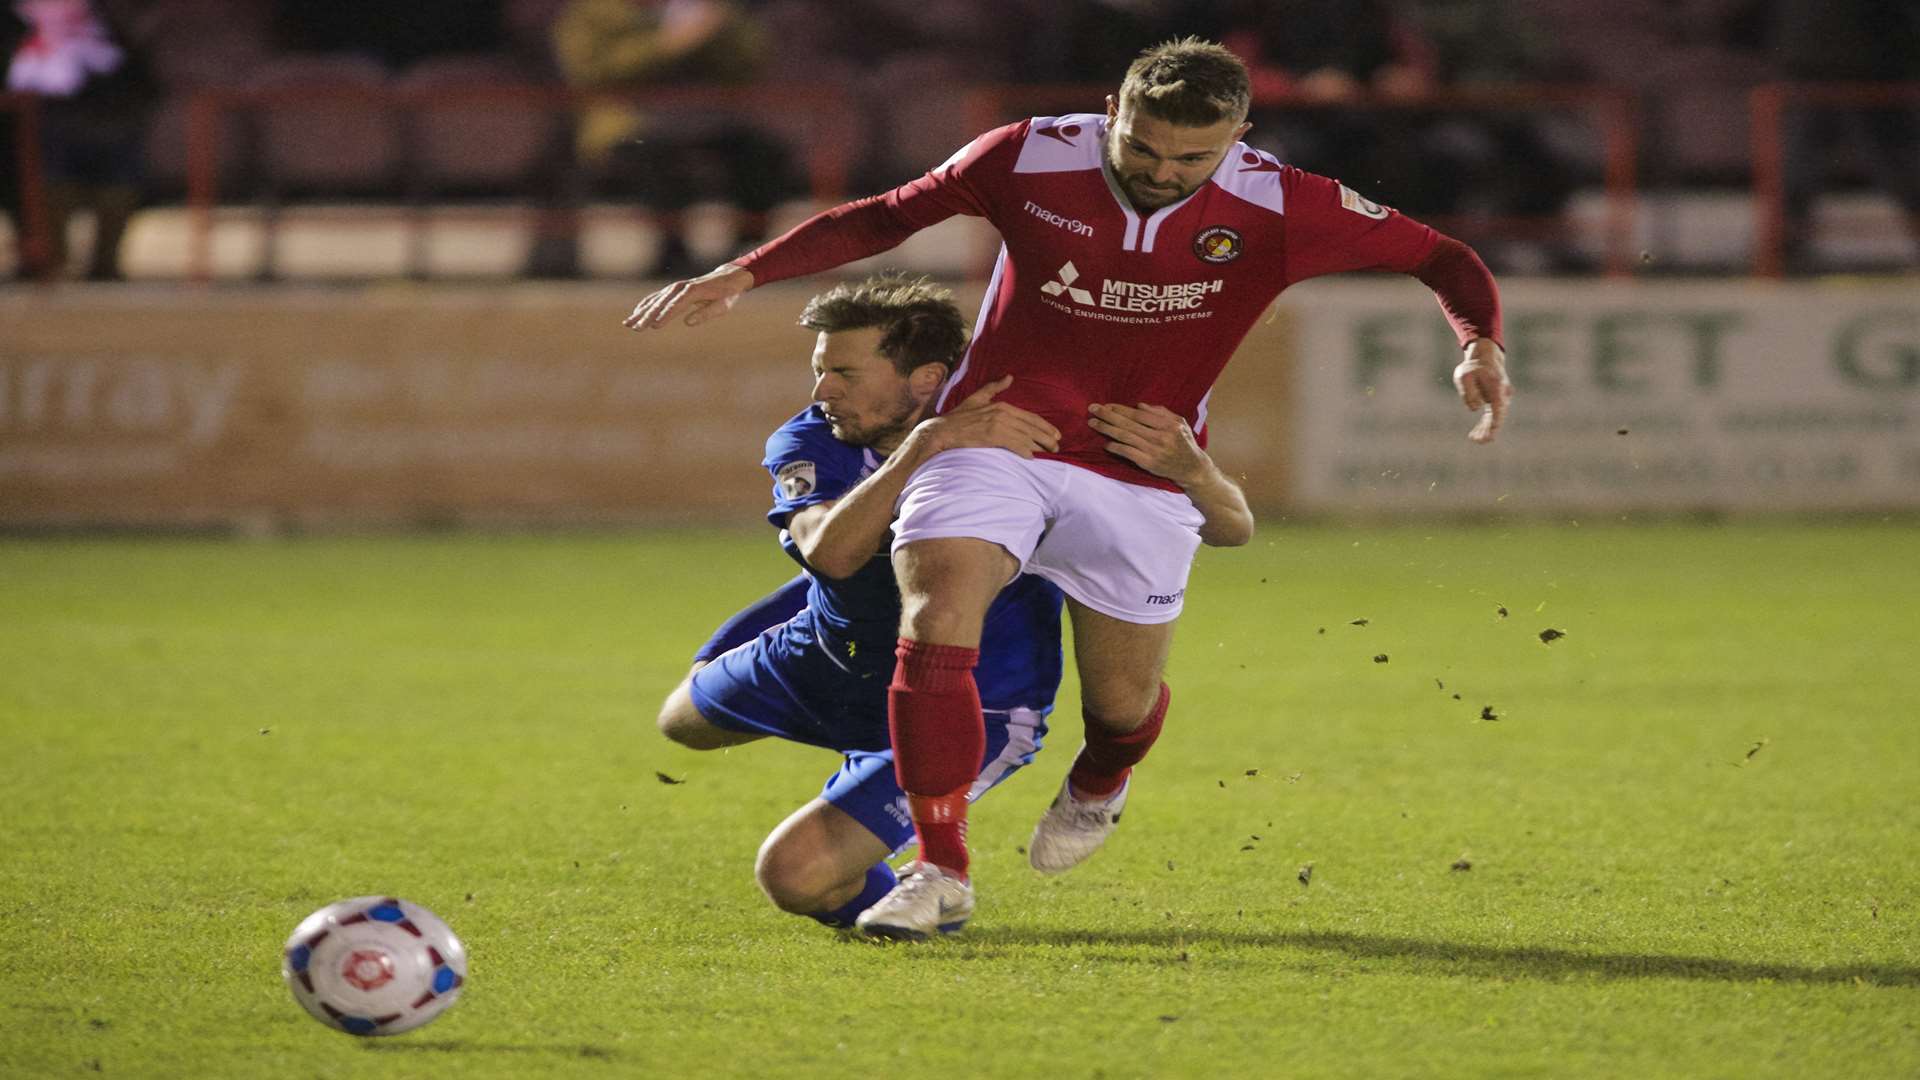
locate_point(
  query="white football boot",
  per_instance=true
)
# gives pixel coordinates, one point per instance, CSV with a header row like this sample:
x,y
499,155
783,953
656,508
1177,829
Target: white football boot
x,y
927,899
1071,830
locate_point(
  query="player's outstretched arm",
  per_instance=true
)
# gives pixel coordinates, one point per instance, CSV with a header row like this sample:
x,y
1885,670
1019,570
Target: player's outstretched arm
x,y
697,300
746,624
836,539
1481,379
1159,441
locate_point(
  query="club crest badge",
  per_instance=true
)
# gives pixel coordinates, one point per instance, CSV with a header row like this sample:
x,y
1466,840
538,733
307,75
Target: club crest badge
x,y
795,479
1218,244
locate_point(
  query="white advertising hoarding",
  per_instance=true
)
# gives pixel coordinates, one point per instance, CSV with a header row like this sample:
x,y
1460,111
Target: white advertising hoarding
x,y
1738,396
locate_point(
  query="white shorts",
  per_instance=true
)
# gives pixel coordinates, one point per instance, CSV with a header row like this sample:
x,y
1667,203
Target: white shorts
x,y
1121,549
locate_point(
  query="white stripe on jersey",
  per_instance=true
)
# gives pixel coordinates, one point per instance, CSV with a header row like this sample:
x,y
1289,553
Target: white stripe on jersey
x,y
980,320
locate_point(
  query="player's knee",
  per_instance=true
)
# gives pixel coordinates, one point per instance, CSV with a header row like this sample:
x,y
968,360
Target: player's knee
x,y
693,732
682,723
928,620
1120,705
673,725
792,879
946,587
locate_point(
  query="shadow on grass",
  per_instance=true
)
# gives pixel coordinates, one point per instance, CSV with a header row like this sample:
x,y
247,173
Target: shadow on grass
x,y
466,1046
1452,958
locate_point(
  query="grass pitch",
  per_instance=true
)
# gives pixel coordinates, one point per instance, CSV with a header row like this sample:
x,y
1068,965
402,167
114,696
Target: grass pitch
x,y
1679,840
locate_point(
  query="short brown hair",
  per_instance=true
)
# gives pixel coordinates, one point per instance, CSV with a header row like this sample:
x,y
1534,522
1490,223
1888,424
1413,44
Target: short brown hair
x,y
1190,82
920,323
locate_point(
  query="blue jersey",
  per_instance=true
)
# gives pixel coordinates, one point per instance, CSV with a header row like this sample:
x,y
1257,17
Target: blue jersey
x,y
857,619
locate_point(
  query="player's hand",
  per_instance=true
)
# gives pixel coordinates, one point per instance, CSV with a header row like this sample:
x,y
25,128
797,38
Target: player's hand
x,y
1482,381
980,421
1154,438
708,296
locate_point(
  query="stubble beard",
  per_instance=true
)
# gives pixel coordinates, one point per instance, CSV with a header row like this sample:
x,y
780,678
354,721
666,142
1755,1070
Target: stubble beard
x,y
893,429
1147,199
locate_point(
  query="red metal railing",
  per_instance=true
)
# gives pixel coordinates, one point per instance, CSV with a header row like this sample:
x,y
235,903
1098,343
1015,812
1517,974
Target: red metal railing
x,y
1614,112
1768,105
826,107
832,115
36,227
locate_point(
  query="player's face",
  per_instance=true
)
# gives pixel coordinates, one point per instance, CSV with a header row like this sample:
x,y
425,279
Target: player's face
x,y
867,401
1158,162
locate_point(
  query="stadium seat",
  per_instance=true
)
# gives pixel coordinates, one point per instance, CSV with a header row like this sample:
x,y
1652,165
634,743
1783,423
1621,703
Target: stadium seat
x,y
194,45
167,148
490,146
1699,105
317,137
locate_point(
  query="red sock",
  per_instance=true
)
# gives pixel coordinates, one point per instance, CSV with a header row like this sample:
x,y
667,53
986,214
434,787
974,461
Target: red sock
x,y
941,822
1107,758
933,713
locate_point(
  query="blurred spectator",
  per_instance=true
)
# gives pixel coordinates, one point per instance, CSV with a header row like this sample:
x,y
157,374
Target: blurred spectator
x,y
908,65
1846,41
1488,163
1318,52
1437,164
13,29
1325,55
664,161
96,96
1086,41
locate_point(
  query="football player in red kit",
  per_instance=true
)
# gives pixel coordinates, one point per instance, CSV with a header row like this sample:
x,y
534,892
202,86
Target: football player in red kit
x,y
1139,246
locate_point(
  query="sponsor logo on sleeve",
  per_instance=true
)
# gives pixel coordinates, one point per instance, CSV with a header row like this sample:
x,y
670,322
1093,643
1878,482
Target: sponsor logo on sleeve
x,y
1360,204
795,479
1218,244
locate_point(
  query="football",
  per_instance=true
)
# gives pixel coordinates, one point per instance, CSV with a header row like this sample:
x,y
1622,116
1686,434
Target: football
x,y
374,965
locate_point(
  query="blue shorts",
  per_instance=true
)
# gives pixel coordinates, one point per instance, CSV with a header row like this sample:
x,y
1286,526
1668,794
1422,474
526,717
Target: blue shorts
x,y
784,685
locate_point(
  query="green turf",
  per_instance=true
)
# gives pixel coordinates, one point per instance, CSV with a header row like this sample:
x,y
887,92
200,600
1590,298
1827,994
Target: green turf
x,y
206,740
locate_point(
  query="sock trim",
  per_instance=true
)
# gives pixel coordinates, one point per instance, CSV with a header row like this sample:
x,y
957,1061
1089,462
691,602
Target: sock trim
x,y
933,668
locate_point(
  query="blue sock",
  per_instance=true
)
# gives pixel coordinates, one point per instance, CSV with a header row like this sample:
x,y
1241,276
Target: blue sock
x,y
880,882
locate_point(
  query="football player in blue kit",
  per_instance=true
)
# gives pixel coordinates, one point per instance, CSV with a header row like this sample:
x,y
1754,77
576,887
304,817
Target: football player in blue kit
x,y
812,662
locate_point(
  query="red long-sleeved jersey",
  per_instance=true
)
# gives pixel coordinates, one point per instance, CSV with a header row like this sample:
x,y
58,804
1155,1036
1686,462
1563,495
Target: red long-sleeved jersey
x,y
1091,301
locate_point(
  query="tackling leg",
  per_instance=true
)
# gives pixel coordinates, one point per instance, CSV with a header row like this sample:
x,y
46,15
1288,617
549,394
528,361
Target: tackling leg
x,y
823,864
1124,703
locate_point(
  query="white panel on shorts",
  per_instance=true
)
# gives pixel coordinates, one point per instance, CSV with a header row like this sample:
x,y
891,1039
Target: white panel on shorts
x,y
1122,549
975,492
1023,738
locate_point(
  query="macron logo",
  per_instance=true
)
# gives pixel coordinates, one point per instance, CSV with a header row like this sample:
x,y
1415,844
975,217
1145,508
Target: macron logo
x,y
1064,284
1059,221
